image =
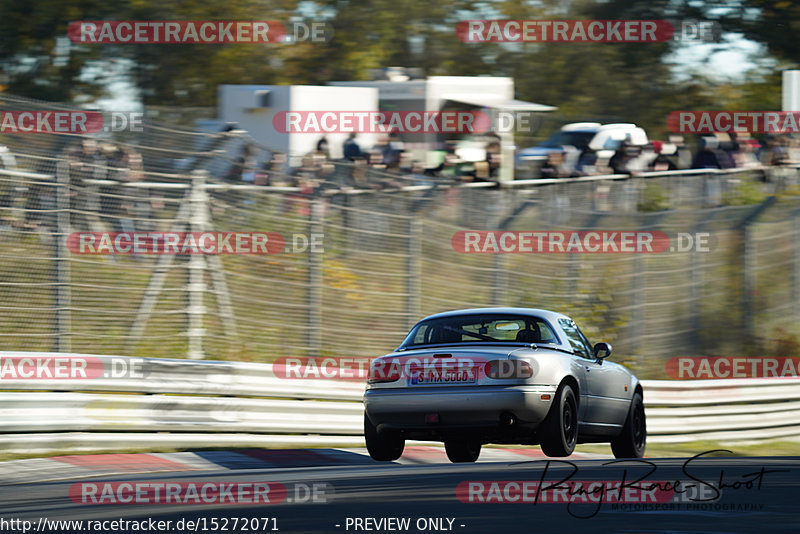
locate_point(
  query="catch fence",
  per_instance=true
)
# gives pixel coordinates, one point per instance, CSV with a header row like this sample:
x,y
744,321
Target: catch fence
x,y
387,256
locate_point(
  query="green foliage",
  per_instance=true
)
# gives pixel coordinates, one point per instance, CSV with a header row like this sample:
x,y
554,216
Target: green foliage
x,y
774,23
596,314
630,82
654,198
745,193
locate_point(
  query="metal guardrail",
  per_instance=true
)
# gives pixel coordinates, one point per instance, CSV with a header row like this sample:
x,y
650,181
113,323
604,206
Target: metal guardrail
x,y
180,403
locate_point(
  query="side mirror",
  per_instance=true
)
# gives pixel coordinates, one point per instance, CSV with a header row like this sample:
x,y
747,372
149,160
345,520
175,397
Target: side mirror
x,y
602,351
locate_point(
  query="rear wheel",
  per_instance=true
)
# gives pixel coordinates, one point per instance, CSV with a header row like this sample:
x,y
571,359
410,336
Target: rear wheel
x,y
462,450
632,440
559,430
384,446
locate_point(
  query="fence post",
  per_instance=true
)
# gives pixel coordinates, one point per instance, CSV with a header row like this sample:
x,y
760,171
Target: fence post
x,y
638,304
314,280
748,279
748,266
197,268
507,213
796,270
697,272
414,269
63,291
500,280
155,285
695,289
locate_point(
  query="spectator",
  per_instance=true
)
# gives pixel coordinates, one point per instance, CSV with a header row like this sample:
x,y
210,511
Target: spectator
x,y
729,148
709,156
588,163
624,159
391,148
493,155
683,155
554,166
746,156
276,169
244,169
322,147
666,157
85,163
418,175
774,151
382,148
352,151
111,194
138,205
377,177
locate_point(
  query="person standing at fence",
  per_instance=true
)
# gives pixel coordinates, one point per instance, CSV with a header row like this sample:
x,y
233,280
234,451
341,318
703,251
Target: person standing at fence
x,y
351,149
322,147
773,152
709,156
111,194
666,157
138,204
244,168
85,163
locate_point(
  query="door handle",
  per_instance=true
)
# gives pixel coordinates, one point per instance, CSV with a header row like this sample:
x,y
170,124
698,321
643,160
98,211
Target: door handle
x,y
588,370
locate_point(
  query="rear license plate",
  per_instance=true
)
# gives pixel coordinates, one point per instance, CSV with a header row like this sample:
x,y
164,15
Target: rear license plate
x,y
436,377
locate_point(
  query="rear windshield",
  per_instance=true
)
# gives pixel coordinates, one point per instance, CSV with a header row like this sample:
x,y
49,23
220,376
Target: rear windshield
x,y
484,328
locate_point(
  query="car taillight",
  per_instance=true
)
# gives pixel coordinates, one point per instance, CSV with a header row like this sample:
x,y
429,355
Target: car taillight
x,y
383,371
500,369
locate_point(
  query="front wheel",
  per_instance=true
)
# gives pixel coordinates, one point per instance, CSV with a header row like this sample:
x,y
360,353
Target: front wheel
x,y
462,450
560,427
382,446
631,441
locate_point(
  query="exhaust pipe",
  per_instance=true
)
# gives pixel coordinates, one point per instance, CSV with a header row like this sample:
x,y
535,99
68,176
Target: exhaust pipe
x,y
506,419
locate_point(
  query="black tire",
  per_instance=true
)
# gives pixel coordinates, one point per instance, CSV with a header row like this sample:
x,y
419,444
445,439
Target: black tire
x,y
559,430
382,446
632,440
462,450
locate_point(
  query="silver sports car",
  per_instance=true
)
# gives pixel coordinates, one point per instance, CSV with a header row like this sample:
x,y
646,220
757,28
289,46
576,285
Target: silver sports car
x,y
501,375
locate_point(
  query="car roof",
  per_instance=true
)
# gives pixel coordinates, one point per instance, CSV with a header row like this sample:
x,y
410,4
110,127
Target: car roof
x,y
618,125
576,126
534,312
549,316
597,127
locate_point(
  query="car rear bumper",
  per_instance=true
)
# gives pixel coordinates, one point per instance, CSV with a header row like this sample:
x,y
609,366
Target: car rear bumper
x,y
457,407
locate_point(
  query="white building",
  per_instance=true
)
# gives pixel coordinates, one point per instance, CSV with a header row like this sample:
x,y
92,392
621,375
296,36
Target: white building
x,y
253,108
439,93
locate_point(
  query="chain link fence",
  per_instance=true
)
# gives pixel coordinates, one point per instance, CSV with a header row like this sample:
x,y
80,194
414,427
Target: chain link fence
x,y
386,258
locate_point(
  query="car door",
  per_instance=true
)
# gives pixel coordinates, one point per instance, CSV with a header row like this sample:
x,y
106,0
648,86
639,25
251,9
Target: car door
x,y
580,356
607,383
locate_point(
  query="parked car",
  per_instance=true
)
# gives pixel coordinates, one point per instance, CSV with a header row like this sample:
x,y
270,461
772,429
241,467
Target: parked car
x,y
578,138
501,375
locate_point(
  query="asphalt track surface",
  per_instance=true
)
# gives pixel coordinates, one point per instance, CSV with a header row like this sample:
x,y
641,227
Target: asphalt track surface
x,y
419,492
